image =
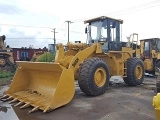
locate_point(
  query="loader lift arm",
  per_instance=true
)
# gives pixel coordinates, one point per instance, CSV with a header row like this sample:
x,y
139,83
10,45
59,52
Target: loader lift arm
x,y
75,60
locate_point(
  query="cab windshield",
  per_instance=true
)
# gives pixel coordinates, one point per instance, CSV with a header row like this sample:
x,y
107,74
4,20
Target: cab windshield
x,y
106,31
98,30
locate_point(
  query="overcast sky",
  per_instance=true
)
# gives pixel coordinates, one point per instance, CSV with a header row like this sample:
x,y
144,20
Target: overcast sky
x,y
35,18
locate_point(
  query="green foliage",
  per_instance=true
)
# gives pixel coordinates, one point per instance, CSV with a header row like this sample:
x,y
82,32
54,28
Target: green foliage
x,y
46,57
4,74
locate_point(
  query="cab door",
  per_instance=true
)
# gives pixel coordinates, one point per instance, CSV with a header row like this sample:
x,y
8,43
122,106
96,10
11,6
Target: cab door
x,y
147,49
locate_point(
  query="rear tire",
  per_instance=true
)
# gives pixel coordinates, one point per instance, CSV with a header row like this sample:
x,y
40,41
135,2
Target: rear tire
x,y
158,64
93,77
135,72
158,87
158,81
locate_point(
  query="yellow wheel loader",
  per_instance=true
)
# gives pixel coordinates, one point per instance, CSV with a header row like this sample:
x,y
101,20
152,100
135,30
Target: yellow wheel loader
x,y
150,54
6,53
47,86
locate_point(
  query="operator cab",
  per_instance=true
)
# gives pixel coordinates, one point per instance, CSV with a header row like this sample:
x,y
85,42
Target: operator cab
x,y
104,29
149,46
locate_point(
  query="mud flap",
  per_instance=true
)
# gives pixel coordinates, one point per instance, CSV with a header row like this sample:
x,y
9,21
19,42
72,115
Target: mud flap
x,y
44,86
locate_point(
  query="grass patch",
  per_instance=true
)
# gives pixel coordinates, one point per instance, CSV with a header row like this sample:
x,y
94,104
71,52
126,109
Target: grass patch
x,y
5,77
4,74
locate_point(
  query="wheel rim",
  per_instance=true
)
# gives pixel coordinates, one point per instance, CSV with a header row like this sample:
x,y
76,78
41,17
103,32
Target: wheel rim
x,y
139,71
2,61
100,77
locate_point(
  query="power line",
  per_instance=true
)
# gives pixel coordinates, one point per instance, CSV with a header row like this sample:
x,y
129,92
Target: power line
x,y
62,25
29,38
18,39
71,31
25,26
35,39
38,27
134,9
64,32
129,10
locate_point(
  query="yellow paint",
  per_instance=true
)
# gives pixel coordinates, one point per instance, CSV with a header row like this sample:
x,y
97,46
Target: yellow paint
x,y
158,56
148,64
142,46
138,71
156,104
100,77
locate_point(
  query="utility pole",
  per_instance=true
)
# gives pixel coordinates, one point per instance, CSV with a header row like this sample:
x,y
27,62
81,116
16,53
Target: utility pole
x,y
69,22
54,32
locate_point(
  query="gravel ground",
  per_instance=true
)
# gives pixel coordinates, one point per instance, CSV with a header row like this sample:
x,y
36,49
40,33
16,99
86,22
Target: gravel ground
x,y
120,102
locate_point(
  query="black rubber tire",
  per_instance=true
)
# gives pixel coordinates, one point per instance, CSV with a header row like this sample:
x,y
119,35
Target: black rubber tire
x,y
86,76
158,87
157,83
131,78
158,64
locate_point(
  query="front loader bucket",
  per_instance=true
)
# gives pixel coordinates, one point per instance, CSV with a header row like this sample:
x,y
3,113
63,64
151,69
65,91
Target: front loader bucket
x,y
44,86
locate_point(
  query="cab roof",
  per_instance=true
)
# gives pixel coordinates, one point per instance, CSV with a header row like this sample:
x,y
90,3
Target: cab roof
x,y
101,18
150,39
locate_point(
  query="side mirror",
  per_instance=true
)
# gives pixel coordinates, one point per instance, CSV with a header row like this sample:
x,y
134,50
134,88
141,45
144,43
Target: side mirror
x,y
86,30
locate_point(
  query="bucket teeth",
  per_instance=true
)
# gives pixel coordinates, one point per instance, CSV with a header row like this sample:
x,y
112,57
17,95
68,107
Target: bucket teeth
x,y
20,103
25,105
5,96
34,109
44,111
9,98
14,100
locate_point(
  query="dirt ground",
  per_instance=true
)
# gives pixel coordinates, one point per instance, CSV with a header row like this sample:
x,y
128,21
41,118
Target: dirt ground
x,y
120,102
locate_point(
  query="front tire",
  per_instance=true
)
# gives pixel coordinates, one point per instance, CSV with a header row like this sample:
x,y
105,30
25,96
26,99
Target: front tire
x,y
135,72
93,77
